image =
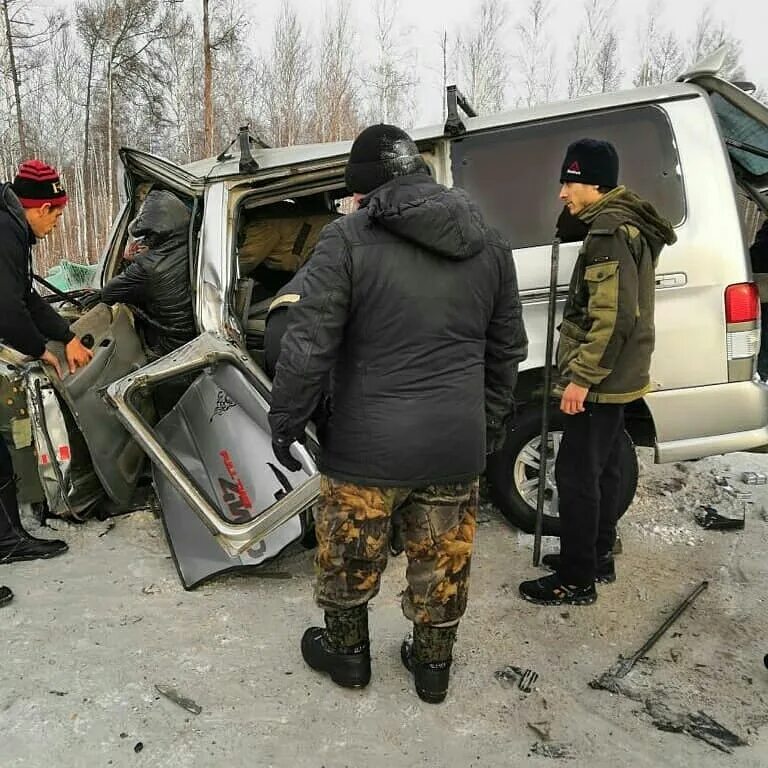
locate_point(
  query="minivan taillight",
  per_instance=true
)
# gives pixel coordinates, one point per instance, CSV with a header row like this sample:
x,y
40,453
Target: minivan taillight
x,y
742,338
742,303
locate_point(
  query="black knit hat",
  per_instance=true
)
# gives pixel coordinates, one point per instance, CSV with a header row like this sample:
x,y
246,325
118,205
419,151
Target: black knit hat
x,y
380,153
591,161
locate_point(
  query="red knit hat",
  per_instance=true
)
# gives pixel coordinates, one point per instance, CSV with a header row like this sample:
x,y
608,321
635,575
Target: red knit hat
x,y
37,183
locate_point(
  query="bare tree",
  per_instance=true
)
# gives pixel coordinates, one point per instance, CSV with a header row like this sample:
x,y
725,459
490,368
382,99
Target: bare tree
x,y
591,42
335,104
534,54
390,81
607,70
661,57
223,21
285,77
483,58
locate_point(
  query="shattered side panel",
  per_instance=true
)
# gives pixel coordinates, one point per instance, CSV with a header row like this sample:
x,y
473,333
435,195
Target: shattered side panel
x,y
228,453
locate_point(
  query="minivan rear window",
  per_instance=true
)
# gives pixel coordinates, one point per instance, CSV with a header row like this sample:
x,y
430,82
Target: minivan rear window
x,y
513,173
738,126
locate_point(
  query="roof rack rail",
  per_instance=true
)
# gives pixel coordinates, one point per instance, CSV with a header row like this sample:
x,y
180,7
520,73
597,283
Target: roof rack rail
x,y
453,123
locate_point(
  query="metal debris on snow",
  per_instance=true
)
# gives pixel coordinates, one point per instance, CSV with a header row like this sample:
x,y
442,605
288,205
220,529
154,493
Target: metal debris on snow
x,y
557,751
524,678
177,698
754,478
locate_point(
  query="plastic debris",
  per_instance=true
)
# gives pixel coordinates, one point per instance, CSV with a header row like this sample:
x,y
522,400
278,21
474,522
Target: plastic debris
x,y
524,678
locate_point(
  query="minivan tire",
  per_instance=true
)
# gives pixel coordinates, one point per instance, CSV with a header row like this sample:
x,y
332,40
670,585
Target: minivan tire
x,y
503,466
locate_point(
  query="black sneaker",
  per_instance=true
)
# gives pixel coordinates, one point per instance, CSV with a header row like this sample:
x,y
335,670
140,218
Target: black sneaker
x,y
348,667
551,591
606,569
5,595
431,678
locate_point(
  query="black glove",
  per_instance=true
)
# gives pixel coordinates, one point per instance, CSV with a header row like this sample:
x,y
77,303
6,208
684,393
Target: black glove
x,y
281,448
90,299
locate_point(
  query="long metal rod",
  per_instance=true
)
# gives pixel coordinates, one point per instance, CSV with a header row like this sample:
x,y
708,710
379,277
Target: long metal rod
x,y
626,665
547,385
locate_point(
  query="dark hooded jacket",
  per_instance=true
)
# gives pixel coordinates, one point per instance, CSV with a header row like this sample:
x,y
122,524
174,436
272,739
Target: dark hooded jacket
x,y
157,281
607,333
411,303
26,321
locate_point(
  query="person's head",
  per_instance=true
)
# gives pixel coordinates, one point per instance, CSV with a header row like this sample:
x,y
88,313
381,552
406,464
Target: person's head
x,y
379,154
39,189
590,170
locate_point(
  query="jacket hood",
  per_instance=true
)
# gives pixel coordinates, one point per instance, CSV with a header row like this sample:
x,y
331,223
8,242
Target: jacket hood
x,y
627,208
10,203
417,209
163,219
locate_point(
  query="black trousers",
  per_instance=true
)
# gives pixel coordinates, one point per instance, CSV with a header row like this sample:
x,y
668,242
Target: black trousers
x,y
588,476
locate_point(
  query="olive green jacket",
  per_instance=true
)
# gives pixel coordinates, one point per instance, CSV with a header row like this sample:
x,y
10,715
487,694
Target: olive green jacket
x,y
607,333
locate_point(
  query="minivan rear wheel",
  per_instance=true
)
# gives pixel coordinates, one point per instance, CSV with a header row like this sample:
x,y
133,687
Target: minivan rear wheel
x,y
513,472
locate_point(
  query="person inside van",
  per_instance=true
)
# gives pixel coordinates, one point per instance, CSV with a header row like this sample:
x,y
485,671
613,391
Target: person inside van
x,y
603,360
156,279
758,254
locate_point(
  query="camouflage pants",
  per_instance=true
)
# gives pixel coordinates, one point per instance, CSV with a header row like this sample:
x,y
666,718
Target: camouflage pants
x,y
438,528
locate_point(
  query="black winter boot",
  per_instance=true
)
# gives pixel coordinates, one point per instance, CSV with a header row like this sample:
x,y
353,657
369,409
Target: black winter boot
x,y
5,595
342,648
16,544
428,659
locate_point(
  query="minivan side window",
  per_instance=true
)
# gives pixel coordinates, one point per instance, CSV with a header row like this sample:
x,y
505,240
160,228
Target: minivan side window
x,y
513,173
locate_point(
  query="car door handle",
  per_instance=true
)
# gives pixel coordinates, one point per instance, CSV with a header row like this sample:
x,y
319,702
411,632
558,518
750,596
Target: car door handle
x,y
671,280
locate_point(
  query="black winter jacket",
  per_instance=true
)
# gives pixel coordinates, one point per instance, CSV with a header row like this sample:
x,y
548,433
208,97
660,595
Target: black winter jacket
x,y
157,282
412,304
26,321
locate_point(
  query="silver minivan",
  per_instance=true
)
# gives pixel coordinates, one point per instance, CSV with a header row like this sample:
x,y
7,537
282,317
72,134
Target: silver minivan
x,y
686,146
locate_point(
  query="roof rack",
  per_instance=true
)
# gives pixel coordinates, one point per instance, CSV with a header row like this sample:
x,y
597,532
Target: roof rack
x,y
453,123
247,162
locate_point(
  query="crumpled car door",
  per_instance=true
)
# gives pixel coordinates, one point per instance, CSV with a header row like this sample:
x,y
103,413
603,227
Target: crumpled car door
x,y
225,501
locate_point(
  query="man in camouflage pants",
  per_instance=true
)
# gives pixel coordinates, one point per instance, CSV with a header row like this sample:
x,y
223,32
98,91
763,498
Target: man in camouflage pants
x,y
411,305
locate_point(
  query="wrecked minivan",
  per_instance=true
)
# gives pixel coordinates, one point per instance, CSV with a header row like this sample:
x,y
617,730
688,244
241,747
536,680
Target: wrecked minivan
x,y
255,213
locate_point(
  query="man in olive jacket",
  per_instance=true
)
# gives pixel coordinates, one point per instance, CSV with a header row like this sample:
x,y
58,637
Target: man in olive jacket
x,y
411,304
603,358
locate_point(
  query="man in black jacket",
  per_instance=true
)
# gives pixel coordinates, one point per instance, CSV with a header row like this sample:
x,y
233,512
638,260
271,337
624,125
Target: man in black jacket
x,y
29,210
411,304
156,280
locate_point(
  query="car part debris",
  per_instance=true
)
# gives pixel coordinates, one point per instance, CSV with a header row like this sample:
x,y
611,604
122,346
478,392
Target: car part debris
x,y
623,666
696,724
138,746
711,519
524,678
173,695
557,751
545,404
754,478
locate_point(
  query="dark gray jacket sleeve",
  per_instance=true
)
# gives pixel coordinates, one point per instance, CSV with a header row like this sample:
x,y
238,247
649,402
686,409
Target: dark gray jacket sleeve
x,y
129,287
506,347
311,343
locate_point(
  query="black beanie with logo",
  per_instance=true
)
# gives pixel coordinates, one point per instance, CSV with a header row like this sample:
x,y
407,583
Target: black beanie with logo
x,y
591,161
379,154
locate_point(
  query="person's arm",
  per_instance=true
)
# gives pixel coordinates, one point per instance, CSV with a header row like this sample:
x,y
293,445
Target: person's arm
x,y
506,346
310,345
129,287
610,275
